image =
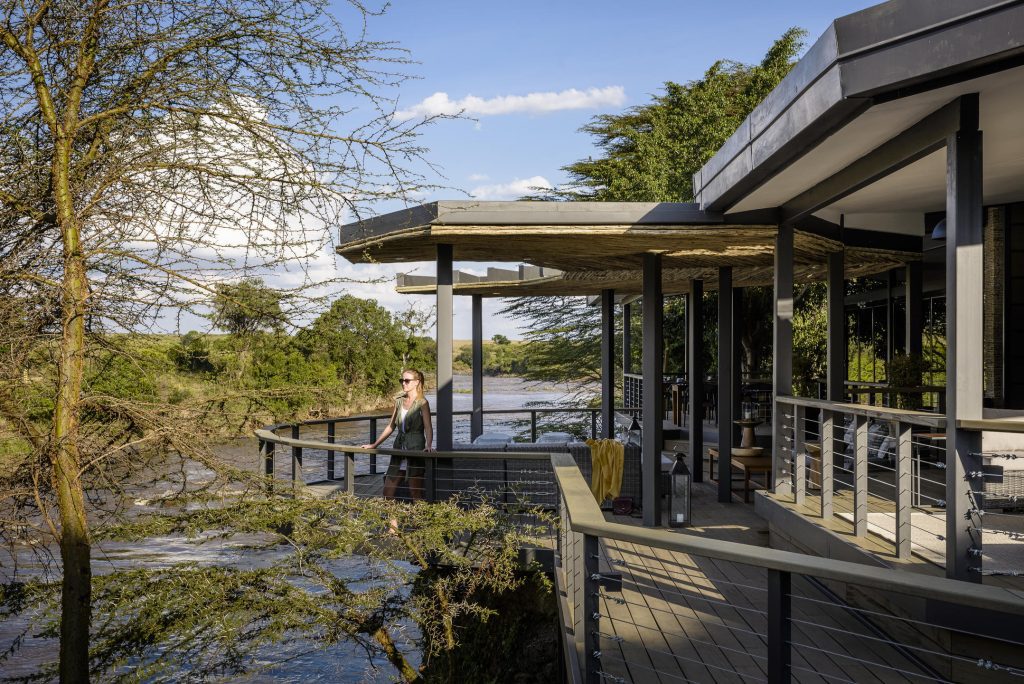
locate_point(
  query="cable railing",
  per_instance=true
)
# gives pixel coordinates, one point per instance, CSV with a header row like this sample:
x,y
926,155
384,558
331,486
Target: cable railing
x,y
885,472
642,604
692,609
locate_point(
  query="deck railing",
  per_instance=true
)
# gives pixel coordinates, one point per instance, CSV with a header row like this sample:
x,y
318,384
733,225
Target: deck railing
x,y
641,604
884,471
708,607
751,392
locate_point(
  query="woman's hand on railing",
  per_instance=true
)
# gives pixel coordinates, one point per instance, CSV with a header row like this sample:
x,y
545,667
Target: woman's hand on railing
x,y
429,449
367,446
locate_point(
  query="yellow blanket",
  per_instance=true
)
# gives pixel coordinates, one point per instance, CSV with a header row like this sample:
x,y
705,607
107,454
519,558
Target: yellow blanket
x,y
606,458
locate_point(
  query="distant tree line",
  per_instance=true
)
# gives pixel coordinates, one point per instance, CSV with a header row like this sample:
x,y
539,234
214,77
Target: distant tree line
x,y
353,351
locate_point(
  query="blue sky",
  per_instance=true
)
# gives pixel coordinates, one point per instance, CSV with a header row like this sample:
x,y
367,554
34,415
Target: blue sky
x,y
541,70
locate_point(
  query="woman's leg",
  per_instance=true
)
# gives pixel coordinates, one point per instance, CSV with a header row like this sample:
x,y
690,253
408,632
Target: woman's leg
x,y
393,478
417,467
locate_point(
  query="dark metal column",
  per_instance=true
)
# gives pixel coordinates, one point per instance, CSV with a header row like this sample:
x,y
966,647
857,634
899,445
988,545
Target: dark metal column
x,y
914,289
445,314
607,363
627,338
695,376
835,389
476,422
964,373
726,355
737,362
653,312
782,350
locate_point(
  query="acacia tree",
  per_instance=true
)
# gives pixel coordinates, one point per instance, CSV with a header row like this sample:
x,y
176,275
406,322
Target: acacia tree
x,y
148,152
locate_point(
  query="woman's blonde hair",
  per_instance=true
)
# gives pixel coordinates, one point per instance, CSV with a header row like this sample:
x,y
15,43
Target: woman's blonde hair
x,y
421,385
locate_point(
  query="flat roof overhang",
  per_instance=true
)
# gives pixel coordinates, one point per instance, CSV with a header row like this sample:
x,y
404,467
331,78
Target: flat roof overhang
x,y
675,281
871,76
582,237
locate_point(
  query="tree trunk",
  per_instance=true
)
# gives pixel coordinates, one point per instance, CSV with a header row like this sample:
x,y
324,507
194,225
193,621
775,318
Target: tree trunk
x,y
76,594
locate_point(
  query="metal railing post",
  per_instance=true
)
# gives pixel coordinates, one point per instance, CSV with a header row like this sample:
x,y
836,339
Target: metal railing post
x,y
296,457
431,483
588,601
350,472
904,487
330,452
860,477
533,426
828,434
779,626
267,451
373,438
593,424
798,463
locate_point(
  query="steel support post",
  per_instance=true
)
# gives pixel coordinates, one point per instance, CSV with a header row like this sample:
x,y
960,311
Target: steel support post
x,y
591,586
267,454
860,477
653,397
835,387
476,422
782,349
827,459
350,472
373,438
695,376
330,452
799,463
964,340
904,485
445,314
296,457
780,626
607,363
726,356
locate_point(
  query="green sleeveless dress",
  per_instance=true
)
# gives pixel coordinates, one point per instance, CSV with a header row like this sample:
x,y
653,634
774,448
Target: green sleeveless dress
x,y
408,435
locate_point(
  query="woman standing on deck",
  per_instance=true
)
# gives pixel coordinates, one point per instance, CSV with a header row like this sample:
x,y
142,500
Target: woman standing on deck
x,y
411,418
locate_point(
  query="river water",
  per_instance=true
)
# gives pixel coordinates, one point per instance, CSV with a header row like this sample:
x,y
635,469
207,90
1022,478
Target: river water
x,y
341,663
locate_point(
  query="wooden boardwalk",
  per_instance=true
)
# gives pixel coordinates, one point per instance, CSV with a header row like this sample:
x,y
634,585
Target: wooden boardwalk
x,y
683,618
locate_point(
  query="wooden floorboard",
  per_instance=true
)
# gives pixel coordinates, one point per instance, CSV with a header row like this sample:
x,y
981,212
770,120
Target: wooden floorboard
x,y
702,620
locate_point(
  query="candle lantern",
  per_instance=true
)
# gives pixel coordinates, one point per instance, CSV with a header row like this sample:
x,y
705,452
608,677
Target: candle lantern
x,y
679,501
749,409
633,433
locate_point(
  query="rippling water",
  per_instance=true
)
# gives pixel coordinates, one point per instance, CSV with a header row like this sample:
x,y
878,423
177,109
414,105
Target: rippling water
x,y
341,663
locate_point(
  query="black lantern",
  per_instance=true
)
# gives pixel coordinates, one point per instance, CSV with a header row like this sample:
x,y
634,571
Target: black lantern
x,y
679,501
633,433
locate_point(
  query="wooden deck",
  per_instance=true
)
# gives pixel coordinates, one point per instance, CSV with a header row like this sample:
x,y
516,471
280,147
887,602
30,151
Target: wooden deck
x,y
691,619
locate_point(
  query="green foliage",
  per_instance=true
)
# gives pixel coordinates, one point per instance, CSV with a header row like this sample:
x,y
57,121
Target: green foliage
x,y
906,370
652,151
500,339
191,354
500,358
121,376
810,339
247,307
158,623
361,340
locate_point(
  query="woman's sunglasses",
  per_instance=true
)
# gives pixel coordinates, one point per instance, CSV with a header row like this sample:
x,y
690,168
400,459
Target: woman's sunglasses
x,y
405,380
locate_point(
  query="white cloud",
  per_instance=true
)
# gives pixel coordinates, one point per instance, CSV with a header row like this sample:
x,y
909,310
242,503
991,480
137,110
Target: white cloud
x,y
510,191
531,103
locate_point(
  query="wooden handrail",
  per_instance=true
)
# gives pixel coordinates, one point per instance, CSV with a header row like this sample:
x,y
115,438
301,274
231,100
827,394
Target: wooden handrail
x,y
273,438
923,418
585,517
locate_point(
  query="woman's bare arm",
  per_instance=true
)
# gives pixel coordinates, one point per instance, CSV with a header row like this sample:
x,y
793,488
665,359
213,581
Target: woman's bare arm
x,y
428,428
